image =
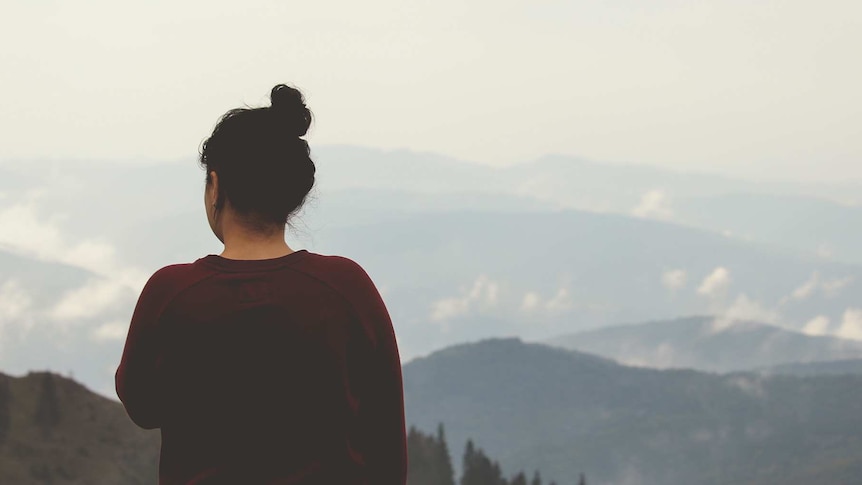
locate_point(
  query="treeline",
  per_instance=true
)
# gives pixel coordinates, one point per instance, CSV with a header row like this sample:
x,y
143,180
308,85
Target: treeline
x,y
431,464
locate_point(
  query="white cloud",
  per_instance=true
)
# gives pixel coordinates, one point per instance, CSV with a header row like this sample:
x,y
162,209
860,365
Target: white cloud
x,y
817,326
716,283
96,296
448,308
808,288
664,357
484,289
655,204
23,231
560,302
20,228
484,292
15,302
851,324
830,288
15,308
674,279
744,309
110,331
750,385
531,300
824,251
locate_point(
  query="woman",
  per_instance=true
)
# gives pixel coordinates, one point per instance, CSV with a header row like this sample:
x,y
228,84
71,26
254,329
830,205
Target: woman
x,y
264,364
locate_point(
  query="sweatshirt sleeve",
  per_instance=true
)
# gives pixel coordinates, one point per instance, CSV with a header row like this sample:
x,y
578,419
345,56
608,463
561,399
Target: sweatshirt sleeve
x,y
387,453
136,379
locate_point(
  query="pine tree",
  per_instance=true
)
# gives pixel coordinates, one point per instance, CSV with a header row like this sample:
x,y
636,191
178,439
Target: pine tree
x,y
479,469
447,473
417,471
537,478
47,415
428,460
5,408
519,479
499,474
469,467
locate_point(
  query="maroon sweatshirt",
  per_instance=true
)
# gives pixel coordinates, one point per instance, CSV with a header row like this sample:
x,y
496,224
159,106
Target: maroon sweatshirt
x,y
273,371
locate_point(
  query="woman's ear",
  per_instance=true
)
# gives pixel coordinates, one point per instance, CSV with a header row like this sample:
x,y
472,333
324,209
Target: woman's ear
x,y
214,186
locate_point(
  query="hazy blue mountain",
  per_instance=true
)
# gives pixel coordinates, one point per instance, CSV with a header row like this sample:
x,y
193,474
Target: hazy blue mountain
x,y
564,412
833,367
805,223
609,267
346,166
704,343
448,276
98,199
355,206
459,250
589,185
44,282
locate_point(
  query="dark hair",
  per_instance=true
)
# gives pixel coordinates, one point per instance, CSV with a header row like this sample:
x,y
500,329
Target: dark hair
x,y
263,164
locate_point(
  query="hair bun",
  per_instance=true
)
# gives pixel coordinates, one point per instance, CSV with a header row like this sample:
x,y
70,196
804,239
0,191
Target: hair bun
x,y
289,104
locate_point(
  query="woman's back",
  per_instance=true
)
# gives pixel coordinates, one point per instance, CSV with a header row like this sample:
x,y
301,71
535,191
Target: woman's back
x,y
286,368
265,365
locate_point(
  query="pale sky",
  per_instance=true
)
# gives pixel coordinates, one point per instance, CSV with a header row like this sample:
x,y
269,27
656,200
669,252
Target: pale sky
x,y
751,88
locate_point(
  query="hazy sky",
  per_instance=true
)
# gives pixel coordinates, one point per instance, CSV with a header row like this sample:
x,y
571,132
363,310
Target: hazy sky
x,y
757,88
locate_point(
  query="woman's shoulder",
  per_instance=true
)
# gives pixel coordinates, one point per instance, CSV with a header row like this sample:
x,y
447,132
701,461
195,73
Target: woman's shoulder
x,y
169,273
341,271
337,261
174,277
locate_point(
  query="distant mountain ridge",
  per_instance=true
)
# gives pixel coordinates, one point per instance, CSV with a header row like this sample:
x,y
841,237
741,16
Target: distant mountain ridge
x,y
833,367
708,344
536,406
430,230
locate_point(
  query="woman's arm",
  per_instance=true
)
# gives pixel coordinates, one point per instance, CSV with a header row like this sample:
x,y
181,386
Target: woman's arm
x,y
386,455
136,378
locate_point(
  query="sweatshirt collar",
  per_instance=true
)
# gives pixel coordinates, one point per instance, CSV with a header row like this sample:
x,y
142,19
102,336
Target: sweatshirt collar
x,y
237,265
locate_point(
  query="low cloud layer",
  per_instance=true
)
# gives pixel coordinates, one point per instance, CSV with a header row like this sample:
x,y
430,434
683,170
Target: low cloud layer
x,y
849,326
95,297
15,309
15,301
560,302
484,292
745,309
654,204
817,284
674,280
817,326
110,332
23,231
715,283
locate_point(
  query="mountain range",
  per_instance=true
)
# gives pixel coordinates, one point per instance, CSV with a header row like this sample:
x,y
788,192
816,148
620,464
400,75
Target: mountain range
x,y
531,406
709,344
565,412
460,251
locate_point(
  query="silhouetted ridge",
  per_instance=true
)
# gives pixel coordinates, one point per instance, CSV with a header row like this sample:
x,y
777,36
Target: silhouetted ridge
x,y
54,430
